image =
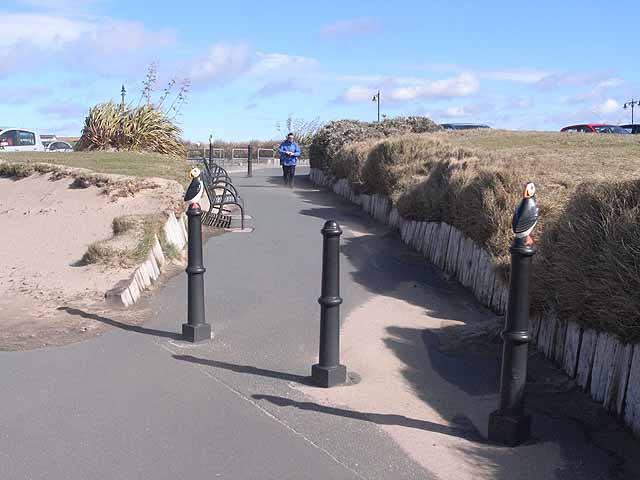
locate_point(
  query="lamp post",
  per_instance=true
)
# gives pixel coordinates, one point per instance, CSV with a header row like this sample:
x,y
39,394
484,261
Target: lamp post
x,y
123,93
633,103
376,98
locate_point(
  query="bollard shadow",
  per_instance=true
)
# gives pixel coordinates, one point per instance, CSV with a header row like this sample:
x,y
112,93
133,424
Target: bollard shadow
x,y
122,326
248,369
465,429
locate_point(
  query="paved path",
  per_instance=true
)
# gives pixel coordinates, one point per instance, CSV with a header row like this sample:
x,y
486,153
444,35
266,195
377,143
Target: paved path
x,y
142,404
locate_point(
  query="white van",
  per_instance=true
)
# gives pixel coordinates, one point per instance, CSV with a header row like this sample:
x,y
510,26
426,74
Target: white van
x,y
20,140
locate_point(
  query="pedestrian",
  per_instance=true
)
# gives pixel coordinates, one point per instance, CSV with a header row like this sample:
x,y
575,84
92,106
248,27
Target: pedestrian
x,y
289,153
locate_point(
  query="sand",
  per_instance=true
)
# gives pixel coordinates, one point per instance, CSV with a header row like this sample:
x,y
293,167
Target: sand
x,y
45,229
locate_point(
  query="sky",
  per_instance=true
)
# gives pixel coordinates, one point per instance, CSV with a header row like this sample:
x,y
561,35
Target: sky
x,y
251,64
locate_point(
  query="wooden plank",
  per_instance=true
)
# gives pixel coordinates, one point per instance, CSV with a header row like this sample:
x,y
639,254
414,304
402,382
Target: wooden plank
x,y
451,262
572,342
606,349
585,360
618,377
632,397
433,244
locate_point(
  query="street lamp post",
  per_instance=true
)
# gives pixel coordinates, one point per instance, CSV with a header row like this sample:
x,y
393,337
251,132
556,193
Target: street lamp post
x,y
633,103
376,98
123,93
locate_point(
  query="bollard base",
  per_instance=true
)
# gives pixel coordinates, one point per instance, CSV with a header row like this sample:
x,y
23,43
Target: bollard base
x,y
196,333
328,376
509,430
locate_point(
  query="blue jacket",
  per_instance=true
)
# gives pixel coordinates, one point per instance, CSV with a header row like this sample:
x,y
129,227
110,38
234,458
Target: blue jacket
x,y
288,146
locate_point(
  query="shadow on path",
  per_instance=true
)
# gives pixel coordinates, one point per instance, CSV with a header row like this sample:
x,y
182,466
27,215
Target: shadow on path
x,y
466,429
247,369
121,325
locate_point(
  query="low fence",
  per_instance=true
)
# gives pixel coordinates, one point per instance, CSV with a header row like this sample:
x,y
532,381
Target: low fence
x,y
238,156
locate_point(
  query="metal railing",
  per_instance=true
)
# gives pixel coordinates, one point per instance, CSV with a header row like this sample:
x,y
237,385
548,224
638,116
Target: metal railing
x,y
269,159
234,158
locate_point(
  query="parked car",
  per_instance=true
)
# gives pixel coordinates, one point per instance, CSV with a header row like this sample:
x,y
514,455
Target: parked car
x,y
20,140
595,128
59,146
463,126
632,128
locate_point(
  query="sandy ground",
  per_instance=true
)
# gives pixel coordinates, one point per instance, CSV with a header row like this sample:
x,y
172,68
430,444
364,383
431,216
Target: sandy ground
x,y
46,228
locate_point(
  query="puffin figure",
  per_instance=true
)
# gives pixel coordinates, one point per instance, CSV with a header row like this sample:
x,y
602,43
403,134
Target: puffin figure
x,y
195,189
526,214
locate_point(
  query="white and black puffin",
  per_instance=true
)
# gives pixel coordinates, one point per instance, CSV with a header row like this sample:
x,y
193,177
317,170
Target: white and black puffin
x,y
195,188
526,214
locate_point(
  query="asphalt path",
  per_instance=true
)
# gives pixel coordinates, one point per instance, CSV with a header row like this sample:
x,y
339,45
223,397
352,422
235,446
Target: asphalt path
x,y
142,404
138,403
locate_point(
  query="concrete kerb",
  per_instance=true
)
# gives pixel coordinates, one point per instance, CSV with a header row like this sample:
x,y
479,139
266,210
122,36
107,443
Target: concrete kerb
x,y
127,292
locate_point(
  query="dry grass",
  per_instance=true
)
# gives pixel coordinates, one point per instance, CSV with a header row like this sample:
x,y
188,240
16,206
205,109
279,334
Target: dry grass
x,y
588,235
133,237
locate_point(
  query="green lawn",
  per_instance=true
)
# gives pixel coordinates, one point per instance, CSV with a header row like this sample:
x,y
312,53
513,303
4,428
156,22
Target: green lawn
x,y
123,163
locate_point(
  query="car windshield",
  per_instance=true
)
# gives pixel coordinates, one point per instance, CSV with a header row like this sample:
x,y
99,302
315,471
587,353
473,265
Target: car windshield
x,y
611,129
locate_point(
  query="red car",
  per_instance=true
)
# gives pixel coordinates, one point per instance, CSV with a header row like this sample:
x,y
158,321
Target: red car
x,y
595,128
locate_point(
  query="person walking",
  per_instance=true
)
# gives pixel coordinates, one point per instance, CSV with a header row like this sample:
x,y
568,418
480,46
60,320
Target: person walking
x,y
289,153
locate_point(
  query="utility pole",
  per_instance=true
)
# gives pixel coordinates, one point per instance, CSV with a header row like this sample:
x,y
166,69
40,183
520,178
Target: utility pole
x,y
376,98
633,103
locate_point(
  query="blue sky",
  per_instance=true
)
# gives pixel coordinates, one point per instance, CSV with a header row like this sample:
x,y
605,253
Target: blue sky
x,y
516,65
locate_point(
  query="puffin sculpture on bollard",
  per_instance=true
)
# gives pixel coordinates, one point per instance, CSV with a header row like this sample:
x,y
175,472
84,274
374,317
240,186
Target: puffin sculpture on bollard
x,y
195,189
526,214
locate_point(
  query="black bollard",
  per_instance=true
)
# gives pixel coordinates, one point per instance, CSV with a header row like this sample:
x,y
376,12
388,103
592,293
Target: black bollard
x,y
210,153
249,162
196,329
509,425
328,372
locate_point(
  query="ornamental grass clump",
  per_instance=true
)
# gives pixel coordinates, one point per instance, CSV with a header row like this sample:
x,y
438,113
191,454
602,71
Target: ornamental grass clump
x,y
141,129
148,127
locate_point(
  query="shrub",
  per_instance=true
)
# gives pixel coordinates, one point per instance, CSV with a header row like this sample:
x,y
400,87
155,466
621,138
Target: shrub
x,y
332,137
144,129
588,235
587,266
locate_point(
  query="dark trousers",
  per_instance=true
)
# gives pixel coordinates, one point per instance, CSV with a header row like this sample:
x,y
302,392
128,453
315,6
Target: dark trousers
x,y
289,172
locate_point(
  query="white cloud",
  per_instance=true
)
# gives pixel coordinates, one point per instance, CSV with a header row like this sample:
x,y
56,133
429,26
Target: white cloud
x,y
459,86
356,95
607,107
598,91
227,61
282,63
46,32
354,26
471,109
572,79
223,62
404,89
105,44
522,75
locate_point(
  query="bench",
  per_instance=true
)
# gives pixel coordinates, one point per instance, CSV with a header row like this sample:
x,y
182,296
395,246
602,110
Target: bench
x,y
221,192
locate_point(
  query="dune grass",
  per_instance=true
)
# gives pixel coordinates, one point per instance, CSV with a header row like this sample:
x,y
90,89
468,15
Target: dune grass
x,y
588,189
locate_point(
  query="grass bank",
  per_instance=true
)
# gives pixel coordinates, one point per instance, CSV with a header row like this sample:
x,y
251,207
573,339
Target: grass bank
x,y
121,163
588,265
